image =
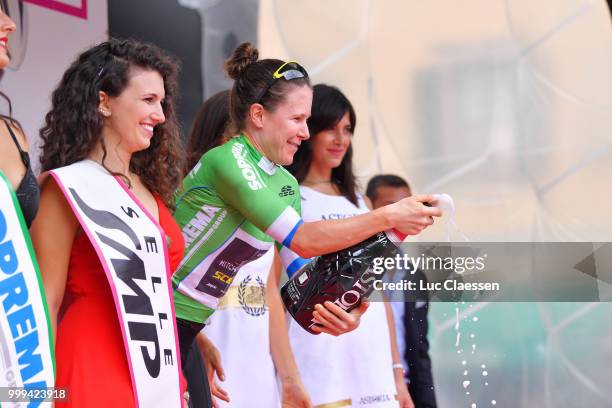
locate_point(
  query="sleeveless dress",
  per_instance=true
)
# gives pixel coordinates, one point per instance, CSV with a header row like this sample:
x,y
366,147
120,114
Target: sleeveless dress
x,y
240,330
354,369
90,356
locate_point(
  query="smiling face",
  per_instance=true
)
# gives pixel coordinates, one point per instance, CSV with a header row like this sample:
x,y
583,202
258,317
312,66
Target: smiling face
x,y
329,146
135,112
285,128
6,28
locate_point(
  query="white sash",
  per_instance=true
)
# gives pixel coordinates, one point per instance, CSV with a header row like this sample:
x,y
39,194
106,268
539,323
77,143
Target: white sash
x,y
26,356
132,249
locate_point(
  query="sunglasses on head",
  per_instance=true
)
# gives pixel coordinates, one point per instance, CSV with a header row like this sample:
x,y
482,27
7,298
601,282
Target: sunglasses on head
x,y
289,70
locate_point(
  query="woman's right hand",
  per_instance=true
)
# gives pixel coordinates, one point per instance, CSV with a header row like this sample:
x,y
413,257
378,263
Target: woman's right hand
x,y
332,319
410,215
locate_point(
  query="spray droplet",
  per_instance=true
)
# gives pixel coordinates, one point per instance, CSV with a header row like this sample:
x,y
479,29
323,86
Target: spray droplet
x,y
467,393
458,338
465,372
456,318
475,318
466,384
483,366
493,402
459,351
473,347
463,362
484,373
472,336
486,383
473,405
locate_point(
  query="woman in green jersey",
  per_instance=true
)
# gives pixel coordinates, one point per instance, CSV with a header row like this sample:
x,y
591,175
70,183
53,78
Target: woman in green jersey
x,y
238,199
263,369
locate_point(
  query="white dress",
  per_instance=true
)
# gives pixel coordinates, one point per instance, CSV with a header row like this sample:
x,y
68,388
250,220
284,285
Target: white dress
x,y
239,328
353,369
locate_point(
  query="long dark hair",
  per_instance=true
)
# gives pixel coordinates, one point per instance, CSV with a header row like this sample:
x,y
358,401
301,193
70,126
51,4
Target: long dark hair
x,y
9,118
251,76
73,125
329,105
209,127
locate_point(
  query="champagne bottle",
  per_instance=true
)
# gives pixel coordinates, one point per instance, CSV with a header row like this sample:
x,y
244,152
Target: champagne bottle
x,y
343,277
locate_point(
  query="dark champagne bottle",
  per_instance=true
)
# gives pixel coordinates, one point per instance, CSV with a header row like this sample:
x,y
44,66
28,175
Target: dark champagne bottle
x,y
343,277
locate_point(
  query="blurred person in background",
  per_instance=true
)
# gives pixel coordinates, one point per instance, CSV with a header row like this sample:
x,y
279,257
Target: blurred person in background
x,y
411,323
363,366
211,128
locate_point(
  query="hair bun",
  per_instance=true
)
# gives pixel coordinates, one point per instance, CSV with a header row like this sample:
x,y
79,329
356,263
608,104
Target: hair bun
x,y
243,56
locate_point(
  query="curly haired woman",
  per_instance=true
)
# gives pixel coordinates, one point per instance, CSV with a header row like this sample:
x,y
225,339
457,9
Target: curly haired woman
x,y
112,145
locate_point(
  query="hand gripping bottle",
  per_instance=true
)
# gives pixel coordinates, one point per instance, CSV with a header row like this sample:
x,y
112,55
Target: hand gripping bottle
x,y
343,277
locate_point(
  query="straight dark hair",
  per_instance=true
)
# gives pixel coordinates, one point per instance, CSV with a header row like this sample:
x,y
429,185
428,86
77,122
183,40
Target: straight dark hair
x,y
329,105
9,118
209,127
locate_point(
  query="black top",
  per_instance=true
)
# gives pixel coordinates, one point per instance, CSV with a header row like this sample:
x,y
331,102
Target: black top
x,y
28,192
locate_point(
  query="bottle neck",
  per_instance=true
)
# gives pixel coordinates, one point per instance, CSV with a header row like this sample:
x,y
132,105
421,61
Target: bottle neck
x,y
395,236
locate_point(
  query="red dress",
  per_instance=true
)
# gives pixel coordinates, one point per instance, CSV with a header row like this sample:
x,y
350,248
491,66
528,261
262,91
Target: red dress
x,y
90,357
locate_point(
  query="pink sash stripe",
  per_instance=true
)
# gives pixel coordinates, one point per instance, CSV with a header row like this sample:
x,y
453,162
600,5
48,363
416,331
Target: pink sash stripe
x,y
80,12
110,279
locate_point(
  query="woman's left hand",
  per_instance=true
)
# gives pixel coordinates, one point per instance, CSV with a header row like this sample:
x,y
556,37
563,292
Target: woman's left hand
x,y
332,319
294,394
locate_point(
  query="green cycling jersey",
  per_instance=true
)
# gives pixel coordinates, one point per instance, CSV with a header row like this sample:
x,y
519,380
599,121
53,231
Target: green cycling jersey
x,y
231,208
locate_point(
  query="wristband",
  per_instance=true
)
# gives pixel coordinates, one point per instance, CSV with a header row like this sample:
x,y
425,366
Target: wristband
x,y
400,366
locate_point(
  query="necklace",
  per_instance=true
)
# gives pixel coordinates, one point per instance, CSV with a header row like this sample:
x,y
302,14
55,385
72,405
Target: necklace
x,y
316,182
